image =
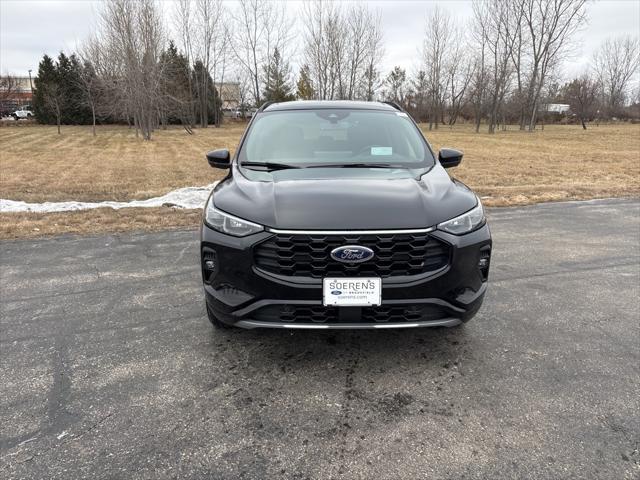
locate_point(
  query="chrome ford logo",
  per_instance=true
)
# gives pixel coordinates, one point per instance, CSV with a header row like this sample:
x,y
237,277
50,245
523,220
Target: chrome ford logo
x,y
352,254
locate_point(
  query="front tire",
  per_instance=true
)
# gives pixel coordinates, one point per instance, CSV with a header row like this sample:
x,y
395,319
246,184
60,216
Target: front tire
x,y
214,320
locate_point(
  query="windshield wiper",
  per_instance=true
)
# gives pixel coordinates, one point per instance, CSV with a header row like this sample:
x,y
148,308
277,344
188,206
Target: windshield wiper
x,y
353,165
269,165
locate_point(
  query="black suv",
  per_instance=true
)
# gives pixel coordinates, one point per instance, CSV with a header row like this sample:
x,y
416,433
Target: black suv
x,y
337,214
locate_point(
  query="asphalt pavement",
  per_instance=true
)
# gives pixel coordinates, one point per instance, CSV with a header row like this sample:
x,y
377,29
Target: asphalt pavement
x,y
110,369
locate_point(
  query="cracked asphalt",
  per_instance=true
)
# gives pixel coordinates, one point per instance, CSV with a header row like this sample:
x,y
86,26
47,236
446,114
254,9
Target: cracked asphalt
x,y
110,369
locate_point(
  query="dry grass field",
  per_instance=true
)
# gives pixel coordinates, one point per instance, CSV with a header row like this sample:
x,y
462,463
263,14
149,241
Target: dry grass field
x,y
508,168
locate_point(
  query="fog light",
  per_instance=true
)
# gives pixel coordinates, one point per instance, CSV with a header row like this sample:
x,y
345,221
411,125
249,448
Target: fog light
x,y
209,265
483,264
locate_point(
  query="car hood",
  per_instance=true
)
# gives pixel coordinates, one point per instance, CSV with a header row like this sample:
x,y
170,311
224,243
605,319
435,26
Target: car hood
x,y
358,203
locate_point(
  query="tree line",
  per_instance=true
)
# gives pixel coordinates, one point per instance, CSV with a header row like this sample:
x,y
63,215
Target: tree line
x,y
506,66
149,69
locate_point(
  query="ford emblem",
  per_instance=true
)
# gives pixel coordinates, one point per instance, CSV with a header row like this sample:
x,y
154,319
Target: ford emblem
x,y
352,254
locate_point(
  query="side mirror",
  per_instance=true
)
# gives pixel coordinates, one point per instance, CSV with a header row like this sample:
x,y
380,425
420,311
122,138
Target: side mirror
x,y
219,158
449,157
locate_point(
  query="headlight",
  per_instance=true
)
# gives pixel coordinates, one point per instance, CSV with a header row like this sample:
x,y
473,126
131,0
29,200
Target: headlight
x,y
465,223
225,223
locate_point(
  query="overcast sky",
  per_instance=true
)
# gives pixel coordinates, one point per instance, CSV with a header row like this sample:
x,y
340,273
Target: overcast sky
x,y
30,28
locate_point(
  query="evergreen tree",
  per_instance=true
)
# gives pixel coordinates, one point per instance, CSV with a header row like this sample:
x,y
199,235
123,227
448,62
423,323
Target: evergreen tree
x,y
305,85
58,92
212,98
69,75
277,73
176,87
64,76
396,84
420,87
47,75
371,82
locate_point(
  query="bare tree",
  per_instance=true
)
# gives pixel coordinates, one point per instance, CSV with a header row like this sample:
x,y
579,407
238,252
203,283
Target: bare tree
x,y
247,42
370,81
205,40
322,45
491,21
132,32
435,51
458,73
479,80
54,98
582,95
89,82
550,25
447,68
259,28
212,41
343,49
8,88
183,23
519,57
244,91
615,64
362,48
112,96
356,25
221,68
90,86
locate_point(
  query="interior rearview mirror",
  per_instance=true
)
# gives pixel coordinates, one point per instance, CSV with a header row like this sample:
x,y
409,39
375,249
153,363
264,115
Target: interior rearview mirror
x,y
219,158
449,157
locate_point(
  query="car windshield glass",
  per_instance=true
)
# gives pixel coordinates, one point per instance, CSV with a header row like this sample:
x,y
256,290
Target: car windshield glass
x,y
332,137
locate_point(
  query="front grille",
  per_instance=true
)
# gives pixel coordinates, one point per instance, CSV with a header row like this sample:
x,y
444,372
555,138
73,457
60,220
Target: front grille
x,y
321,314
414,313
299,313
309,255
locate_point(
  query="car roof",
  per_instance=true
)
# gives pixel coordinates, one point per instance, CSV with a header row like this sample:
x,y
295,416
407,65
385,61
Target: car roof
x,y
328,104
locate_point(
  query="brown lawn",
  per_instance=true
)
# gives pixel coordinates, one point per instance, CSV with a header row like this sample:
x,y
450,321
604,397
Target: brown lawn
x,y
508,168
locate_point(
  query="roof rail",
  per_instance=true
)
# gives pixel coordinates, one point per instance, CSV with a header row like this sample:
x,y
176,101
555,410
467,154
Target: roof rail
x,y
394,105
265,105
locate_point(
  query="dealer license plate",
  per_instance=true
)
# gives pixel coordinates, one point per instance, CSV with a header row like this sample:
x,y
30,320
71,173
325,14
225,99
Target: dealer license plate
x,y
352,292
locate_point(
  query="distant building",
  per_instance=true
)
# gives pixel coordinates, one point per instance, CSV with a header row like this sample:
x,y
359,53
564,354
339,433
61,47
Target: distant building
x,y
229,94
14,92
556,107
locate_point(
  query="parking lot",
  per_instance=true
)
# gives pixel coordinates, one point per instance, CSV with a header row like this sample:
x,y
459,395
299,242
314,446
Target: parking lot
x,y
110,368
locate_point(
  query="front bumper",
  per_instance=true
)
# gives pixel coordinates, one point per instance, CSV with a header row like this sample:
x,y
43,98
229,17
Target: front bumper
x,y
240,294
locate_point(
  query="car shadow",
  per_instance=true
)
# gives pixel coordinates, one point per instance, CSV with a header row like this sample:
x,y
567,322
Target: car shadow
x,y
303,349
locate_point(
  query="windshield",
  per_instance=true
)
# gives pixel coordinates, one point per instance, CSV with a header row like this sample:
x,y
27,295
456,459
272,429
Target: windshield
x,y
332,137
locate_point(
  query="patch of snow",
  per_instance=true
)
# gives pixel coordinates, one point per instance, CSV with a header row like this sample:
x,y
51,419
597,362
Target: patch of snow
x,y
188,197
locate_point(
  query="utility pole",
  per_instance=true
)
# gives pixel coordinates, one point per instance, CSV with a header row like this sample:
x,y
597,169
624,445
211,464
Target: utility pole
x,y
31,86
